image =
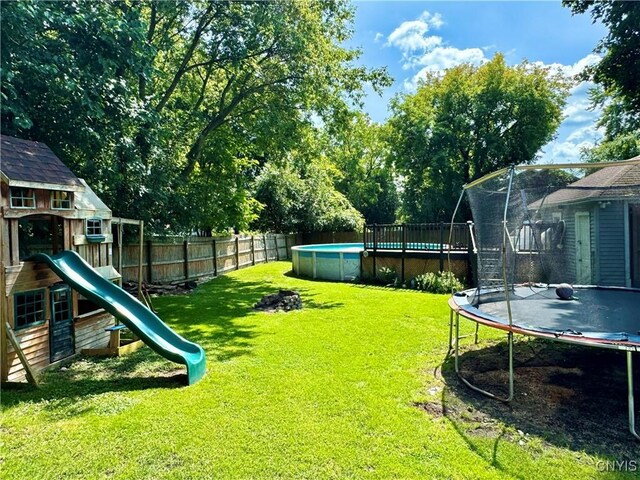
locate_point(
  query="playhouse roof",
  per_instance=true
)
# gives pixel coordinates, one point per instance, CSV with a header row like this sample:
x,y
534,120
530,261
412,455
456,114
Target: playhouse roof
x,y
617,182
32,164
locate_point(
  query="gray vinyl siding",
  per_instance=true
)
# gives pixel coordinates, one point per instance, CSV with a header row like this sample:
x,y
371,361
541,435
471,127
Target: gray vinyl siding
x,y
610,240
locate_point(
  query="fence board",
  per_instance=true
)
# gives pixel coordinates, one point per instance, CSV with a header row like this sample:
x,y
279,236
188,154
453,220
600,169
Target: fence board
x,y
173,260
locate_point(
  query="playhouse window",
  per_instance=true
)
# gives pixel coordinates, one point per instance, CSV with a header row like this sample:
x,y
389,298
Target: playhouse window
x,y
29,308
22,197
60,200
94,226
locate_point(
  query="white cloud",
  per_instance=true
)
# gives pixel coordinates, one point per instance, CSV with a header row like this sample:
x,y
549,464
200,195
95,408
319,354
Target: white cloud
x,y
442,58
379,36
410,36
428,53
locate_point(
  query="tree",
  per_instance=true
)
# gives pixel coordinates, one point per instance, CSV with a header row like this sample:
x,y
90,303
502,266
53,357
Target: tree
x,y
365,176
617,76
466,123
294,201
619,70
164,106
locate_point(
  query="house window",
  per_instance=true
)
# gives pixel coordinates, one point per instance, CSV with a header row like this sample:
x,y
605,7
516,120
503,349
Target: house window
x,y
29,308
60,200
22,197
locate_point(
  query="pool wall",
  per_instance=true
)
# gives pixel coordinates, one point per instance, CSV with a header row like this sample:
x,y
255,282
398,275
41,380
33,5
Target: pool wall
x,y
338,261
347,262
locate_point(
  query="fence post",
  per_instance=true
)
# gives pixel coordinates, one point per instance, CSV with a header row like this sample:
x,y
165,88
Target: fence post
x,y
215,257
441,246
286,246
277,251
266,252
185,252
253,250
237,252
404,249
149,266
375,247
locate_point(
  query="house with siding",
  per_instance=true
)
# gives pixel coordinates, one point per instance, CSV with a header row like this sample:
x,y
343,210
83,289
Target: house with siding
x,y
600,215
45,208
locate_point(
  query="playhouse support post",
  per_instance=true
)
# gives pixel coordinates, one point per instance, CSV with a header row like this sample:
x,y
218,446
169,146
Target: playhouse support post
x,y
4,308
140,257
30,373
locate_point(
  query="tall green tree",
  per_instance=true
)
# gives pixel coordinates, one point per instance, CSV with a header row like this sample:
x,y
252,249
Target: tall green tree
x,y
619,70
365,174
467,123
617,76
169,108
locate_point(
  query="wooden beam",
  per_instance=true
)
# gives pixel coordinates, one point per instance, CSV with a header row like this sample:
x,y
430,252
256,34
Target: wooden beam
x,y
140,255
4,307
31,375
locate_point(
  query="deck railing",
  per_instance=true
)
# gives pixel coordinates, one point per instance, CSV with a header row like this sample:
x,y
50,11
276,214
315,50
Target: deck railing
x,y
417,237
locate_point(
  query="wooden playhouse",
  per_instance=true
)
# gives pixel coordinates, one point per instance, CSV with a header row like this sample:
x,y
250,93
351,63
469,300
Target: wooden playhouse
x,y
45,208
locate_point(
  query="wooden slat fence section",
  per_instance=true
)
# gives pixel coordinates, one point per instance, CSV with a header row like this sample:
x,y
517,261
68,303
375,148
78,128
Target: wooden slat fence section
x,y
173,260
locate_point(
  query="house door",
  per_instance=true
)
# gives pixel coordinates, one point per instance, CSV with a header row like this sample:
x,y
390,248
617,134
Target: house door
x,y
583,248
634,227
61,333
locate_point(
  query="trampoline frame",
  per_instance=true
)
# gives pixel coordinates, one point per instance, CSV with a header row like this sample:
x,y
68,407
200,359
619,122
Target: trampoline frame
x,y
458,310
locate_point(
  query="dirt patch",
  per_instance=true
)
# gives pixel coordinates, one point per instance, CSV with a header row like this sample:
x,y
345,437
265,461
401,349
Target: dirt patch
x,y
435,409
569,396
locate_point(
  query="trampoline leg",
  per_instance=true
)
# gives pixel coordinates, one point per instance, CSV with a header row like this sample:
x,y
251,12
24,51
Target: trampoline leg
x,y
476,334
632,419
450,330
473,387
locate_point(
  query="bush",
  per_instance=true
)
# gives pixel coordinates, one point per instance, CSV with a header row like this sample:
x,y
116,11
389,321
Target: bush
x,y
388,276
441,282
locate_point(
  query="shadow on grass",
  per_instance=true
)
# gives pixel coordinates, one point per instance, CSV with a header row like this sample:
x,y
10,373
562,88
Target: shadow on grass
x,y
218,315
571,397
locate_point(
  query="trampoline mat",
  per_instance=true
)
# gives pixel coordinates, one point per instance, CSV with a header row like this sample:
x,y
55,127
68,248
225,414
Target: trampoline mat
x,y
594,312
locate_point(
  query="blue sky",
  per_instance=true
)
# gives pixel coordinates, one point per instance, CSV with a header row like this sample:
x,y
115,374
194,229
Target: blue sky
x,y
410,38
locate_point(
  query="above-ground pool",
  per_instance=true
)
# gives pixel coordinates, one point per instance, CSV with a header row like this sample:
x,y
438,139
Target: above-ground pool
x,y
332,261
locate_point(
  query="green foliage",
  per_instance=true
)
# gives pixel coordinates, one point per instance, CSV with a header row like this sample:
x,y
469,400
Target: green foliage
x,y
366,178
466,123
617,76
169,109
441,282
297,200
388,276
619,70
621,147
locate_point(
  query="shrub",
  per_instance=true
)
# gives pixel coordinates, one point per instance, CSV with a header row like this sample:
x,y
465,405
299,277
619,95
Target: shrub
x,y
441,282
388,276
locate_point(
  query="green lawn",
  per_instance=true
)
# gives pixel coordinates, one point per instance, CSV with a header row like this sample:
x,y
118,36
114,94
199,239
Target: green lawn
x,y
332,391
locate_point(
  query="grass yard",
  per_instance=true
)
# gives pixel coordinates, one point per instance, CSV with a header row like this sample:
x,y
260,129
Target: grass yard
x,y
350,386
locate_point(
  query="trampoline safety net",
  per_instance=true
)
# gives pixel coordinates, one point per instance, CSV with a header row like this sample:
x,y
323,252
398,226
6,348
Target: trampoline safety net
x,y
545,225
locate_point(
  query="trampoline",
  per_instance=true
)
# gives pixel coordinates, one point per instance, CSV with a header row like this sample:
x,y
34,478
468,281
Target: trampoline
x,y
537,227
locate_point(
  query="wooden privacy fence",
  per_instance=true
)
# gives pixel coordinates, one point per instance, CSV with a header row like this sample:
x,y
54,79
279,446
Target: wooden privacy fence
x,y
172,260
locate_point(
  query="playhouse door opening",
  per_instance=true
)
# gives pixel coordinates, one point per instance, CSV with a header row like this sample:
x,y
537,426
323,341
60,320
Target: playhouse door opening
x,y
61,333
634,227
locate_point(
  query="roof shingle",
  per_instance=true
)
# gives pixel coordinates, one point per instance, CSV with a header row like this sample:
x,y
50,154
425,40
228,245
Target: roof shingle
x,y
30,161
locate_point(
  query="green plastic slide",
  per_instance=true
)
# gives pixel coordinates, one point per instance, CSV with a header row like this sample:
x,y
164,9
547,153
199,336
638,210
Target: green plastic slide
x,y
72,268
